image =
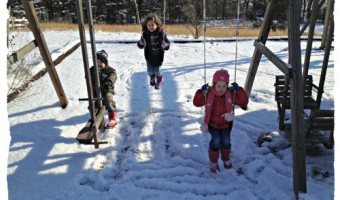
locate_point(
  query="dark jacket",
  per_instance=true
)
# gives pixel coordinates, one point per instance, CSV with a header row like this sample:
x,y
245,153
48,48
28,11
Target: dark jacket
x,y
107,77
153,51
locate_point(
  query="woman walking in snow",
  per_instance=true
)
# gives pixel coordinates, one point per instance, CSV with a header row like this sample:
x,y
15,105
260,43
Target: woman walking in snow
x,y
154,41
219,101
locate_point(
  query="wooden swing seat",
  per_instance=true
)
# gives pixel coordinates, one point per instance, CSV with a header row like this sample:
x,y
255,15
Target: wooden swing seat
x,y
316,125
282,96
86,134
282,92
318,122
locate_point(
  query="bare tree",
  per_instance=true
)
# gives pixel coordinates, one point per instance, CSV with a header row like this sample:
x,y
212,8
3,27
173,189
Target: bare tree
x,y
193,11
137,12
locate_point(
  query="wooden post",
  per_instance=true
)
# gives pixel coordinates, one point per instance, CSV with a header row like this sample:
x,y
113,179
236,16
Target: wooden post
x,y
79,9
96,86
325,60
310,40
329,12
296,100
45,54
263,35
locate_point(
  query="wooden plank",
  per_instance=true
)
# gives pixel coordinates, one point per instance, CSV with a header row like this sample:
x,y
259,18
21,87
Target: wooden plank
x,y
79,9
38,75
325,61
96,81
45,54
296,83
263,35
310,39
19,54
64,55
328,19
272,57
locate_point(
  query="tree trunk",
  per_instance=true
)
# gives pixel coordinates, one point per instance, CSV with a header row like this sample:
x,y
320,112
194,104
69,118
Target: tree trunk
x,y
137,12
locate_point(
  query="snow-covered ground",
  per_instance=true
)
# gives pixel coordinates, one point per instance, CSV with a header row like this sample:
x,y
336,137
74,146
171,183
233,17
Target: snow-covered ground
x,y
157,150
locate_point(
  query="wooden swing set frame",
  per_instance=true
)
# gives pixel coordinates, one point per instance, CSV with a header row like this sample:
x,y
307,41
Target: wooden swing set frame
x,y
293,89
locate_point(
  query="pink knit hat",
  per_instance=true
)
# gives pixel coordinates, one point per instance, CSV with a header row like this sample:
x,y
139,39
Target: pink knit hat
x,y
221,75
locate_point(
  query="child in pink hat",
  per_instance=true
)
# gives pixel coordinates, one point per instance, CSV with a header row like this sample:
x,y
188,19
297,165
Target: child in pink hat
x,y
219,100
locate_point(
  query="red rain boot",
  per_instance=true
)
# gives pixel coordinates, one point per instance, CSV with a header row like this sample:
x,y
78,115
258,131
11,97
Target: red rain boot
x,y
112,120
213,157
225,155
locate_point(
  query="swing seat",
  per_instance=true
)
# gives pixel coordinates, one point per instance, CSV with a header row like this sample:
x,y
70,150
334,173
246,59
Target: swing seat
x,y
319,122
86,135
282,96
319,128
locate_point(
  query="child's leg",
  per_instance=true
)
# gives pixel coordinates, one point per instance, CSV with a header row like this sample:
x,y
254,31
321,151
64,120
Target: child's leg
x,y
214,147
225,138
151,73
215,141
159,77
225,148
110,105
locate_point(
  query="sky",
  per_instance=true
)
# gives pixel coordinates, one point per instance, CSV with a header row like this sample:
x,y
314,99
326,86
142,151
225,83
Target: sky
x,y
157,150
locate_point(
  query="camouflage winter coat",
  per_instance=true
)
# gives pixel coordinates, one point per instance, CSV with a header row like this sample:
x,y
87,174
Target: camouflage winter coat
x,y
107,77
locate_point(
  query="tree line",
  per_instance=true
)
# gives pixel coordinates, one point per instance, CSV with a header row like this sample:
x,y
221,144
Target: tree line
x,y
171,11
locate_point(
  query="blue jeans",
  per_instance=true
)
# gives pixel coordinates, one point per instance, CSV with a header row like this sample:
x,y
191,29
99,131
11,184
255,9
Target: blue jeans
x,y
152,69
220,138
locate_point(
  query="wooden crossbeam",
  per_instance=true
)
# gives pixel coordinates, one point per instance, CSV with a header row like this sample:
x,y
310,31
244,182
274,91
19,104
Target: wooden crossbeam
x,y
45,54
19,54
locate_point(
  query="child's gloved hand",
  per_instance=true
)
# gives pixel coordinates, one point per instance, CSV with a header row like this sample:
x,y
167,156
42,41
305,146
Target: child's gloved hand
x,y
205,88
228,117
234,86
107,85
142,41
164,44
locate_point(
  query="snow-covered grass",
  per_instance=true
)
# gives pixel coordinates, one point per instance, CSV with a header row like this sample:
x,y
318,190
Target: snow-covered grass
x,y
157,150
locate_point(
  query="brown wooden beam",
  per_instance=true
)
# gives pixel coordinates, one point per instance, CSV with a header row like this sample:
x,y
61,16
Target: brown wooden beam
x,y
45,54
328,16
328,48
79,9
263,35
40,74
281,65
296,99
19,54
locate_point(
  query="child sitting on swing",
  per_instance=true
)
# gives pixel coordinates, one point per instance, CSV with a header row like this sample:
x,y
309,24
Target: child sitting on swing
x,y
219,100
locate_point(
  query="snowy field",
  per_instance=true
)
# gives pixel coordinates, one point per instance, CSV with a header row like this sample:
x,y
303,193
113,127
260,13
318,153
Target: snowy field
x,y
157,151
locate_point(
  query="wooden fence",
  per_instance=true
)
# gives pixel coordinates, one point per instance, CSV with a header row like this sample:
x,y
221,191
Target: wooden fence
x,y
17,23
